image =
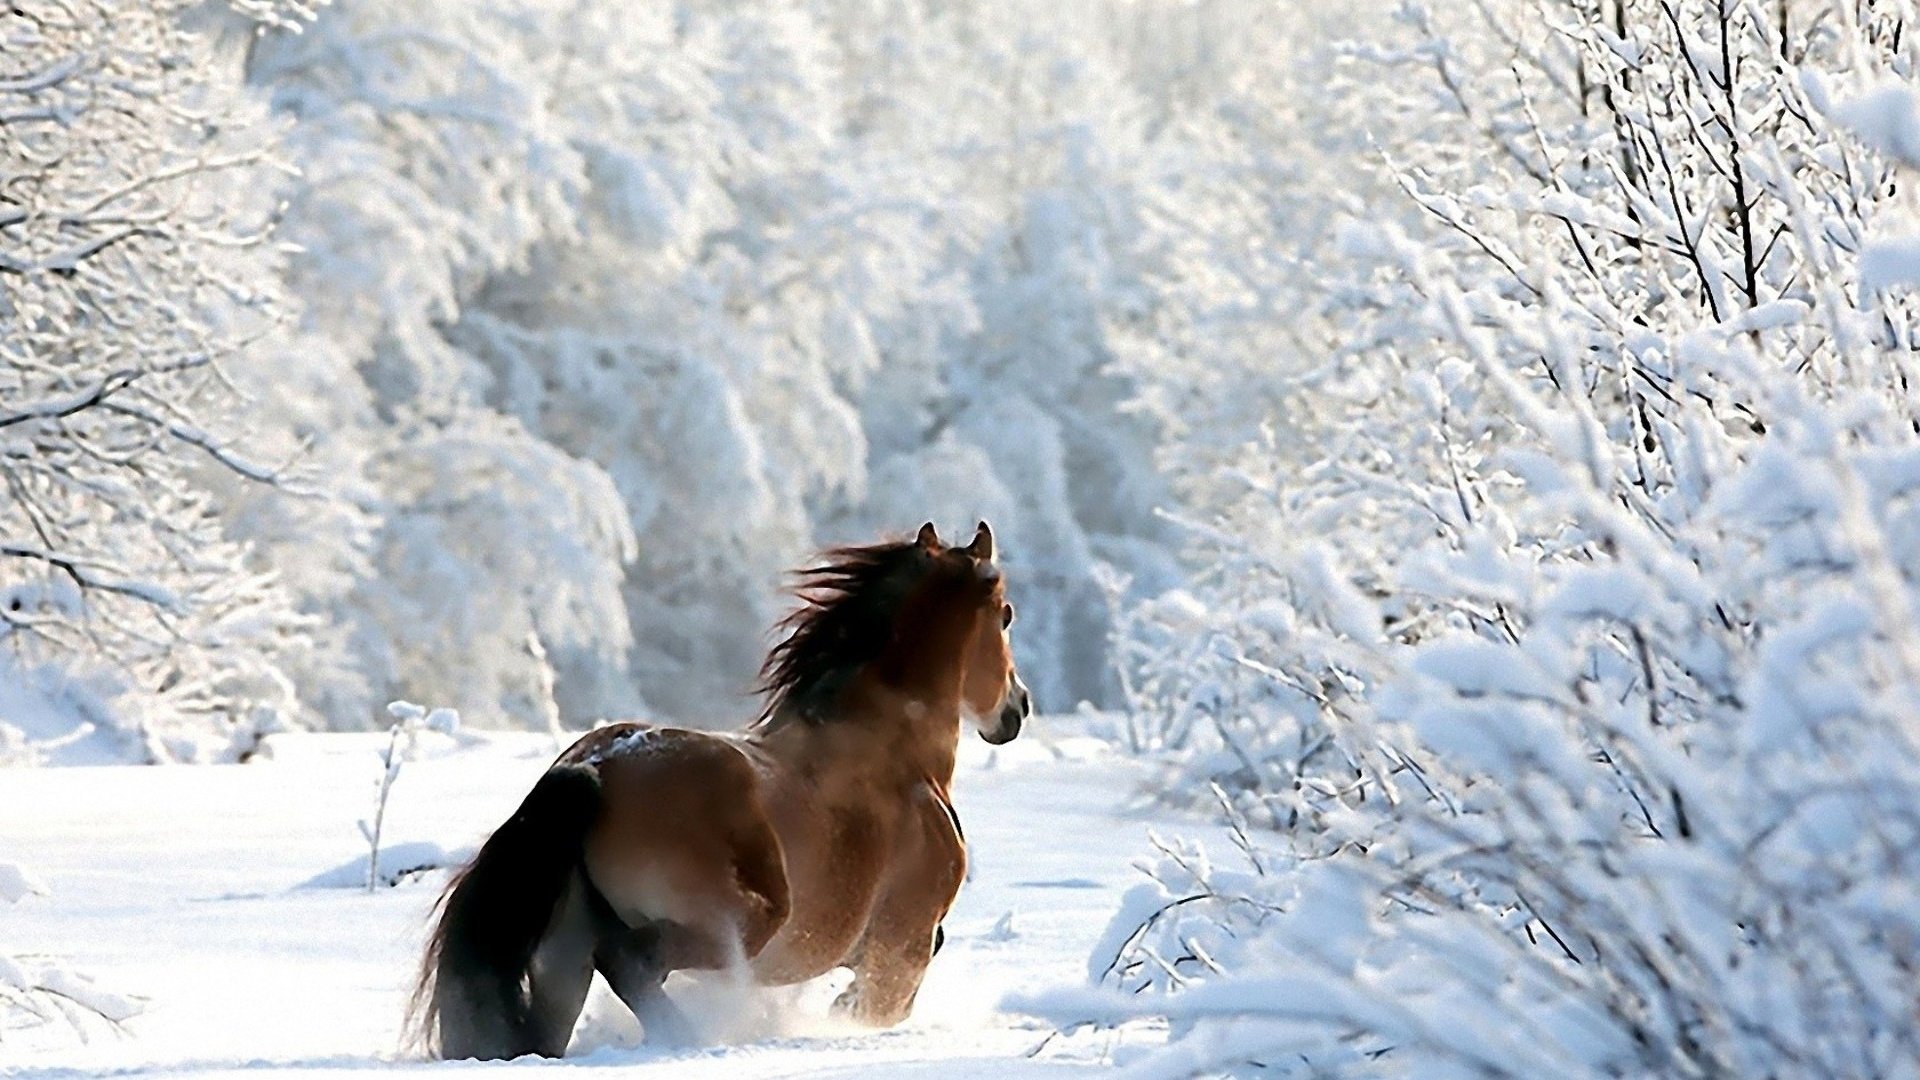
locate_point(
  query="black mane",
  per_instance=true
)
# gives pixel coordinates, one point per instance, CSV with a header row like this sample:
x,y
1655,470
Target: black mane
x,y
845,619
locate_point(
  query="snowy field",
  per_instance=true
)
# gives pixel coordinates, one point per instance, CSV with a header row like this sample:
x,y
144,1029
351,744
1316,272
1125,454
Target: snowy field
x,y
191,888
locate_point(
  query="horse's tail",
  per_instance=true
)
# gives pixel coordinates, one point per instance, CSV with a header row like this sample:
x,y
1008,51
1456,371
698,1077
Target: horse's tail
x,y
471,999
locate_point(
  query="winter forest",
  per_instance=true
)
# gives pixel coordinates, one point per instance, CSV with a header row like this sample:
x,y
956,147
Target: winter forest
x,y
1457,466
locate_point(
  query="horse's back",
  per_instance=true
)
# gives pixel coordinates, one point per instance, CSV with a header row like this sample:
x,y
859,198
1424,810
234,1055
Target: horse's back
x,y
683,839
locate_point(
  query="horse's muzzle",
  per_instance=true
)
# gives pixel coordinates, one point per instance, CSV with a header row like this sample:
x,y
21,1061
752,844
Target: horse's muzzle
x,y
1013,711
1005,731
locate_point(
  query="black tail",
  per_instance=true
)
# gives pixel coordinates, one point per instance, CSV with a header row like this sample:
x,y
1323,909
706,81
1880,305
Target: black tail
x,y
471,1000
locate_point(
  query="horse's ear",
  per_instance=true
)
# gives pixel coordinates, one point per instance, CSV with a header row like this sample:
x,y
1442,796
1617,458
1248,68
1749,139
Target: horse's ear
x,y
982,546
928,538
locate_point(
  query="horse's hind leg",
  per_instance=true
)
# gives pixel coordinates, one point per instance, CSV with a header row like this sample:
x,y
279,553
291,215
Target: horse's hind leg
x,y
562,970
632,962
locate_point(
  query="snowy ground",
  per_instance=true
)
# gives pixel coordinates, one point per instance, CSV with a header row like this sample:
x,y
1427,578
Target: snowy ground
x,y
188,887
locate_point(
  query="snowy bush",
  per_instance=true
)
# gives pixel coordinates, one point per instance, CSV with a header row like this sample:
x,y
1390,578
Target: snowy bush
x,y
403,737
1569,648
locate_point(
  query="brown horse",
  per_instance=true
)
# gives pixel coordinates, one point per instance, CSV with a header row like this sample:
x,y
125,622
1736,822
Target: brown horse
x,y
821,836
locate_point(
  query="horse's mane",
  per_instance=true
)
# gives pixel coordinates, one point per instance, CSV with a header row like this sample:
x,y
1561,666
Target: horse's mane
x,y
847,608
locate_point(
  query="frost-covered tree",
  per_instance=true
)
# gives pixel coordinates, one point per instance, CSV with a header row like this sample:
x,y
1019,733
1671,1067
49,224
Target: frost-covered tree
x,y
1018,142
135,274
688,331
785,276
1571,657
429,161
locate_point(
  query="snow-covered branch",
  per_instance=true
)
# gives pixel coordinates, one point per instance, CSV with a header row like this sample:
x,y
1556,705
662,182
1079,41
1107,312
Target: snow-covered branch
x,y
131,214
35,992
1566,644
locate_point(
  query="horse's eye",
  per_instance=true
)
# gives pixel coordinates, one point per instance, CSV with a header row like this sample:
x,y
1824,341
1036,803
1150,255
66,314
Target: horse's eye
x,y
1006,616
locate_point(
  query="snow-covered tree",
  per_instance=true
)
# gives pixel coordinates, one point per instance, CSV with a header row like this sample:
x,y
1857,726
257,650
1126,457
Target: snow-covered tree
x,y
785,276
1018,143
687,332
135,274
429,160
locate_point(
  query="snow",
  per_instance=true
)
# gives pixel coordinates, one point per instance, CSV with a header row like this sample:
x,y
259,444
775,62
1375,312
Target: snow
x,y
638,742
1886,119
1889,261
50,716
397,863
199,891
17,883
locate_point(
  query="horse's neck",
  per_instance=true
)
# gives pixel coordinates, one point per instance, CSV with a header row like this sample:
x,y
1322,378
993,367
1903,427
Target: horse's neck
x,y
876,733
920,729
912,694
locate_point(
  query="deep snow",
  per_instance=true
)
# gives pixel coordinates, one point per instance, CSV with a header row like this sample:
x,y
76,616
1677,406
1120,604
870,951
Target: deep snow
x,y
195,888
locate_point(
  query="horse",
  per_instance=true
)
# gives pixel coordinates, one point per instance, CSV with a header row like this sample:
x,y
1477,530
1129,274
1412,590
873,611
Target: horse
x,y
822,835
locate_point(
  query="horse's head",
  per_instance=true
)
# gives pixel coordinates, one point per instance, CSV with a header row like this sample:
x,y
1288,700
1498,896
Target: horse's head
x,y
992,697
916,613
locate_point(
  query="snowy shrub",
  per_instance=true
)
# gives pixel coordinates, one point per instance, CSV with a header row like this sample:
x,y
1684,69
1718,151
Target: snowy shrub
x,y
1569,650
498,568
409,721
